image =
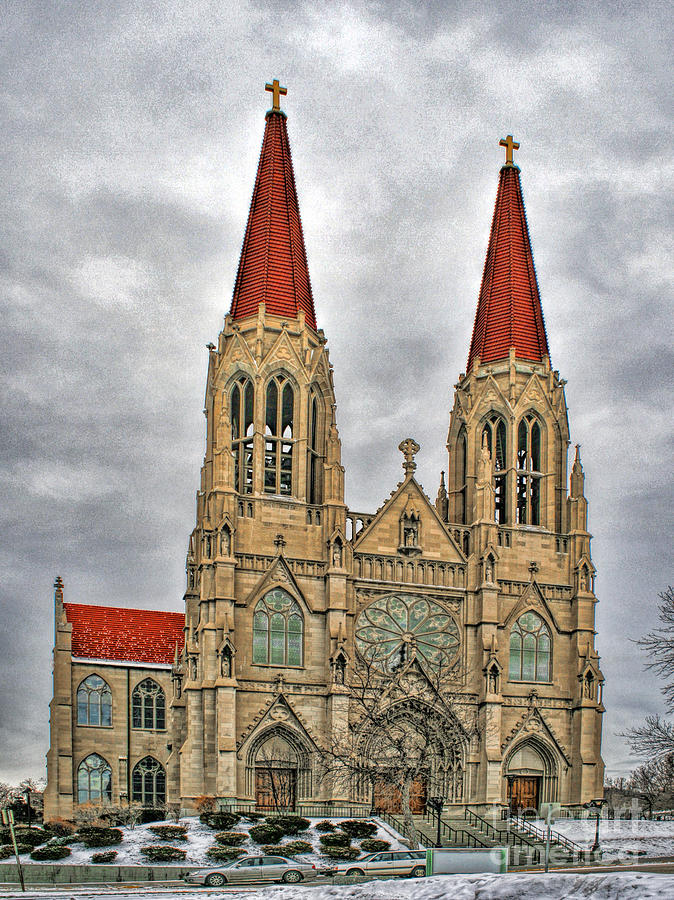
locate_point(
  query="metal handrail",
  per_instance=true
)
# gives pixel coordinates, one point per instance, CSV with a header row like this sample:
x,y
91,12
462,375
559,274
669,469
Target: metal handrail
x,y
540,834
511,837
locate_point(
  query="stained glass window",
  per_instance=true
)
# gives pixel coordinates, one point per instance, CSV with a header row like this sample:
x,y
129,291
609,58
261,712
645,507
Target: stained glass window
x,y
148,782
278,629
395,628
94,780
148,705
530,647
94,702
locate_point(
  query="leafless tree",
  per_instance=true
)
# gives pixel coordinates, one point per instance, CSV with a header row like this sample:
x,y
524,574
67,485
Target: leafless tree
x,y
403,731
654,782
655,738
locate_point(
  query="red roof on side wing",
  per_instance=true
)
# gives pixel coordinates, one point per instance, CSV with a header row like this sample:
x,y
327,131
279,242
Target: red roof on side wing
x,y
509,310
127,635
273,267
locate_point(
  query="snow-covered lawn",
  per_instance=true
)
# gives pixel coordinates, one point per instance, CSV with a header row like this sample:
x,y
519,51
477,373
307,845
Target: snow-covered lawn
x,y
200,838
620,839
611,886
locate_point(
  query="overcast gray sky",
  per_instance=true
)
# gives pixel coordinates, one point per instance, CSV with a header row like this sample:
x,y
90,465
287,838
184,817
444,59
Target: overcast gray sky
x,y
131,133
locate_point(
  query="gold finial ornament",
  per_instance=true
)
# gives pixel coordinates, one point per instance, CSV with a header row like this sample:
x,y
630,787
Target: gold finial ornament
x,y
409,448
510,145
277,92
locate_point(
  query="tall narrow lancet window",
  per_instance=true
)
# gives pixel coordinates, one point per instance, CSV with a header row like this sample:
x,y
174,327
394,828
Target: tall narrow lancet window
x,y
148,782
529,471
94,702
94,780
278,454
313,457
495,433
242,407
461,467
530,649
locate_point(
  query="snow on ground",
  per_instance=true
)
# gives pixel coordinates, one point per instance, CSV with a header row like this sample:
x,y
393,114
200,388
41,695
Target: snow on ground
x,y
200,838
620,839
611,886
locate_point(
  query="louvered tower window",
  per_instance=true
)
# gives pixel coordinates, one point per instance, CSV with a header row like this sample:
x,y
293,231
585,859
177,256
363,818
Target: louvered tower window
x,y
461,467
278,454
313,457
529,471
495,433
242,407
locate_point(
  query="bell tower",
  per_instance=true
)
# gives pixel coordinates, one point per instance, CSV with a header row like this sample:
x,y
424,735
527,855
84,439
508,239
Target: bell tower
x,y
524,531
271,496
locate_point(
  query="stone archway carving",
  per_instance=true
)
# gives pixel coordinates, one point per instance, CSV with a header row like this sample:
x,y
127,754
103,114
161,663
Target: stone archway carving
x,y
279,765
531,766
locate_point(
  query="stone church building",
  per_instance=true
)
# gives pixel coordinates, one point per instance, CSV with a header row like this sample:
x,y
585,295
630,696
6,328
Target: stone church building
x,y
289,593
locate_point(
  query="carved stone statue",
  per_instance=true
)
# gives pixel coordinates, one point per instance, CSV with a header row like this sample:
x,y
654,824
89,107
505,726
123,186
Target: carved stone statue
x,y
337,555
484,465
489,570
225,542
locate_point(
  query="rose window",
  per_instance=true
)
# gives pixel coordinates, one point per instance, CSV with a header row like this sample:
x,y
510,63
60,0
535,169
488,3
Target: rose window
x,y
396,628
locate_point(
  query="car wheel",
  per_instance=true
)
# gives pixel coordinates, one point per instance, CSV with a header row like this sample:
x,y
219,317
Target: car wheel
x,y
355,872
292,877
418,871
215,879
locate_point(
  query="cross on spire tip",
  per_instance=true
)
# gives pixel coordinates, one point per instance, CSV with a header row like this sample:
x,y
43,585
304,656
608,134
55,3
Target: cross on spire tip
x,y
510,145
277,92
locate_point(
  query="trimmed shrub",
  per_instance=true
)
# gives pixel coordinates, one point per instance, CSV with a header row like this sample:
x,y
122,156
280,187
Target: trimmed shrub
x,y
31,836
338,839
253,816
357,829
7,850
266,834
60,827
231,838
61,841
99,836
220,820
373,845
50,853
224,853
169,832
325,825
106,856
162,853
290,848
289,824
341,853
151,814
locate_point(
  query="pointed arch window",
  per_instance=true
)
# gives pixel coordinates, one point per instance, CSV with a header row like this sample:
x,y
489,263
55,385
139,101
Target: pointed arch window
x,y
529,471
148,706
279,423
495,433
313,455
94,780
461,477
148,782
278,630
94,702
530,649
242,404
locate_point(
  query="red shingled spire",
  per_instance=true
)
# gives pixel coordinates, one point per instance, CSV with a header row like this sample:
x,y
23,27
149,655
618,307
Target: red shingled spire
x,y
509,310
273,266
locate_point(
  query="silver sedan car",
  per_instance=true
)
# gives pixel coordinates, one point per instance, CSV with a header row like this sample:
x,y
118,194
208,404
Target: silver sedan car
x,y
258,868
390,862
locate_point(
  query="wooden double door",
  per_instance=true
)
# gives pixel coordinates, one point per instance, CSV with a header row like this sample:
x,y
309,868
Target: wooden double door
x,y
275,789
523,792
388,797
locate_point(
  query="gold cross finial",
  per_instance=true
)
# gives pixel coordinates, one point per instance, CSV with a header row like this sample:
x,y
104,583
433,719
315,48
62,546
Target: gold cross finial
x,y
510,145
277,92
409,448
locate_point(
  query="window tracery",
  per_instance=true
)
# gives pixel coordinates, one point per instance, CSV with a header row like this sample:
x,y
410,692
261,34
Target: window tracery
x,y
242,406
148,782
279,423
94,702
530,649
313,454
461,477
529,471
148,706
494,433
278,628
94,780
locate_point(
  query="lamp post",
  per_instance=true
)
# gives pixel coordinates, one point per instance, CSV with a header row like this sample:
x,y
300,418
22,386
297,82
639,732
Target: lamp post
x,y
27,795
436,804
595,805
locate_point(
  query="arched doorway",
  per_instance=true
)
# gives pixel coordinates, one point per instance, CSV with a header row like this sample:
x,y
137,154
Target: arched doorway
x,y
278,771
531,777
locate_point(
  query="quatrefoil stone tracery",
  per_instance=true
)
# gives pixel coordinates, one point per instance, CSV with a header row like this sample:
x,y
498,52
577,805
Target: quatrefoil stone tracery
x,y
393,629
